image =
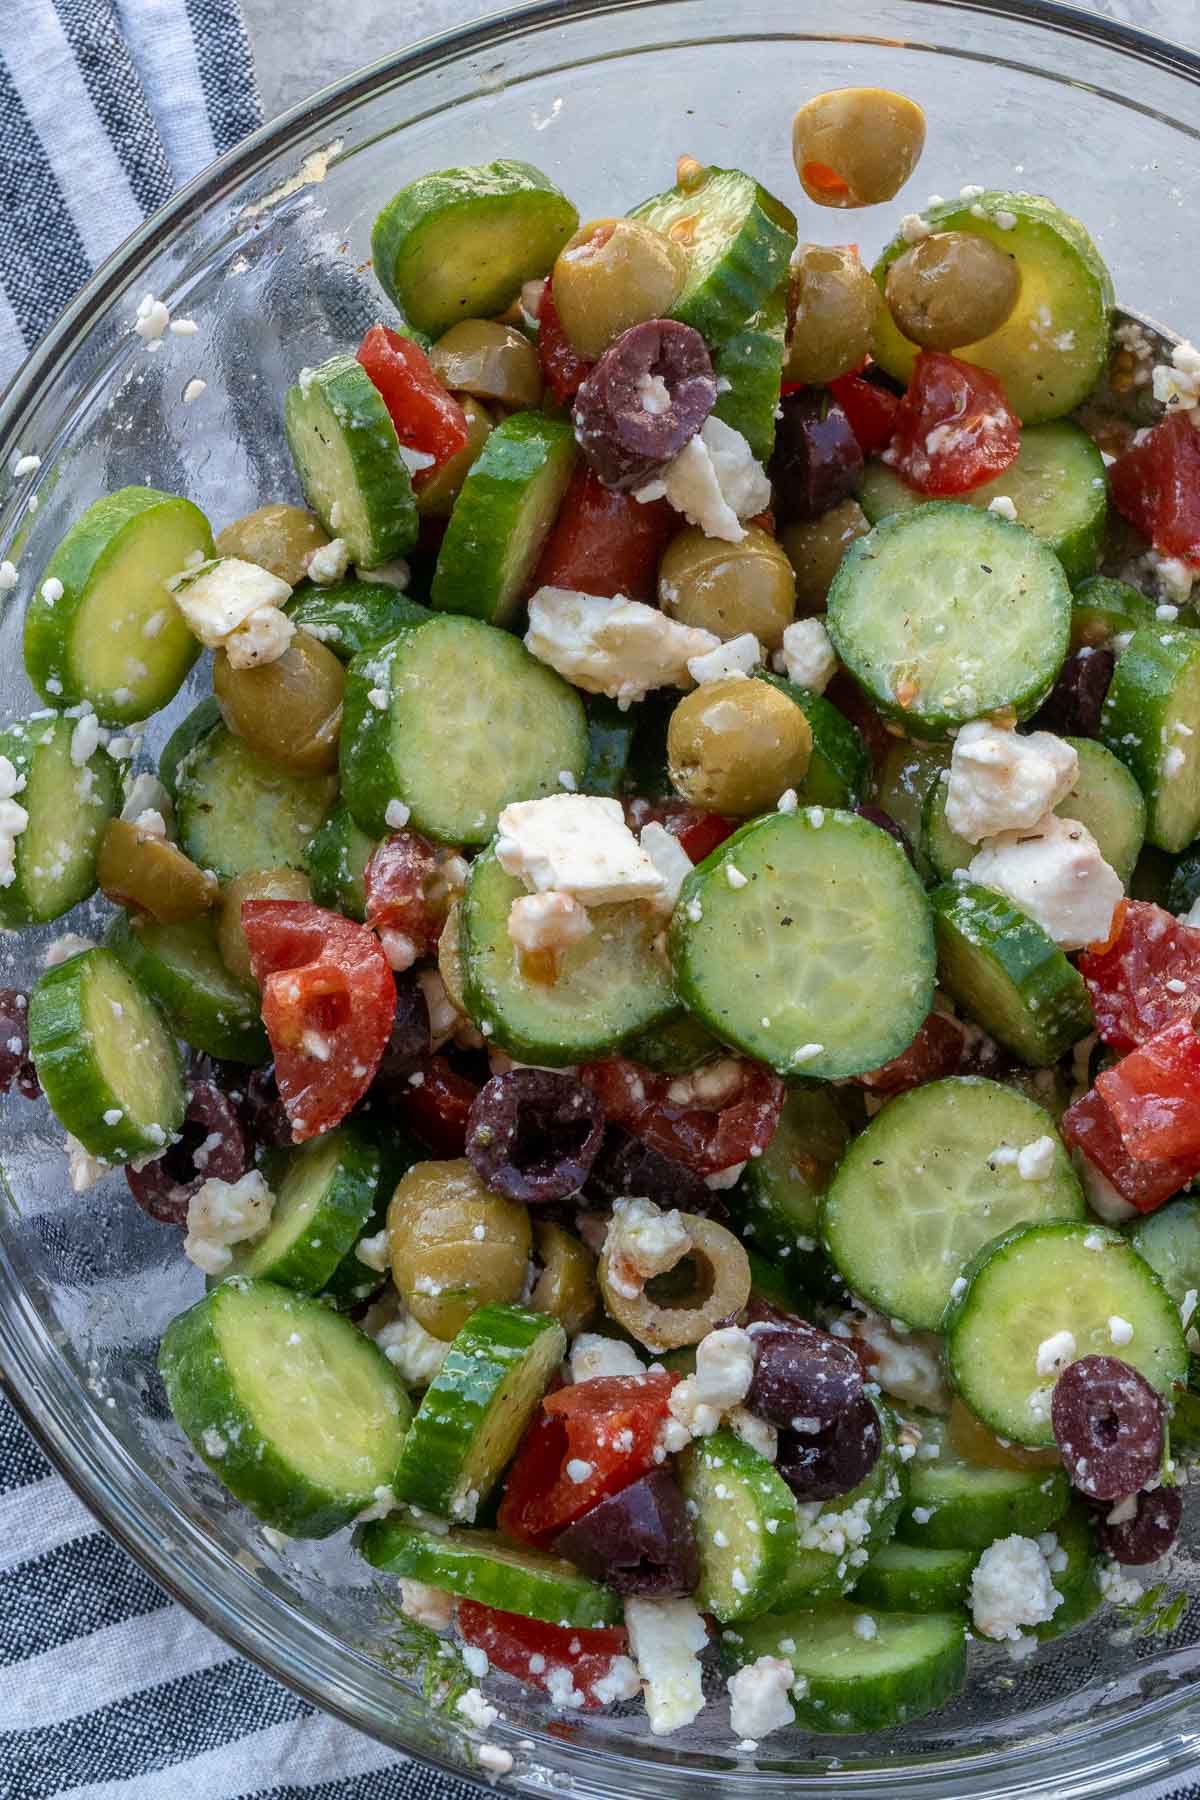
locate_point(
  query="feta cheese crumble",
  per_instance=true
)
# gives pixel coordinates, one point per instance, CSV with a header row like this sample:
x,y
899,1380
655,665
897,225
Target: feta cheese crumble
x,y
1003,781
1056,874
330,562
1177,384
1055,1352
549,921
724,1371
617,647
221,1213
593,1356
234,606
1011,1587
576,844
759,1698
1120,1331
738,656
1004,506
1035,1161
669,858
13,819
666,1637
808,657
715,481
642,1241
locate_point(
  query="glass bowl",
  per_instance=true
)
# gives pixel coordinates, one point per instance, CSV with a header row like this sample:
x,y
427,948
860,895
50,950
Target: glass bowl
x,y
268,253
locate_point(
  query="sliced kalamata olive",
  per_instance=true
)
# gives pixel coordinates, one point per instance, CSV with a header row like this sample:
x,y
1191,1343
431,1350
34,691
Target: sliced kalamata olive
x,y
211,1146
16,1070
817,462
822,1465
626,1165
875,815
803,1378
1108,1423
1073,706
1150,1530
638,1541
650,392
533,1134
262,1112
409,1043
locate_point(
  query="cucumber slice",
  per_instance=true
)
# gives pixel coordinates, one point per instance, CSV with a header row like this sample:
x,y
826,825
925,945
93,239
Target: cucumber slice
x,y
984,626
1102,609
910,1578
805,941
502,517
294,1408
775,1206
750,363
673,1047
958,1505
322,1204
1057,485
181,966
835,1538
476,1409
902,784
236,812
347,456
54,857
513,729
610,744
863,1670
114,636
1169,1240
739,240
922,1188
335,861
1041,1279
107,1062
1151,721
839,767
609,987
187,735
1078,1583
745,1522
1002,970
480,1566
352,616
458,244
1053,347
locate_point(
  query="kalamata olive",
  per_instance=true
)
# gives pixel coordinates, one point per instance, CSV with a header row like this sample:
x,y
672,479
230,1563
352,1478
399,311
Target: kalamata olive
x,y
817,462
16,1069
408,1043
1149,1533
533,1134
627,1165
822,1465
815,548
262,1111
952,288
612,274
734,746
140,870
289,710
804,1379
212,1147
255,884
489,360
439,490
728,588
1073,706
454,1246
637,1541
856,146
276,537
835,306
650,392
877,816
1108,1424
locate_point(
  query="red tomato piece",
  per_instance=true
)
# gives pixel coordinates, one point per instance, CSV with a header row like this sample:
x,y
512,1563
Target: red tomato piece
x,y
720,1114
611,1423
1147,979
531,1650
605,543
328,1001
436,1107
954,427
934,1053
1153,1095
426,417
1156,485
698,832
407,894
871,411
1089,1127
563,370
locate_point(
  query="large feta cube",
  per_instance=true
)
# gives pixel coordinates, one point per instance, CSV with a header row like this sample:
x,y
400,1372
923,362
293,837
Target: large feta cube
x,y
1056,874
760,1698
808,656
617,647
666,1638
1002,781
222,593
578,844
1011,1587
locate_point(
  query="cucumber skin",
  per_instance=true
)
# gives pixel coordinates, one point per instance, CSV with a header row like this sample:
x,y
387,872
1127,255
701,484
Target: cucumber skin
x,y
192,1017
391,523
751,361
454,1563
610,743
774,1504
366,765
342,1216
203,718
353,616
973,1521
16,910
1136,707
81,556
840,766
905,1585
335,862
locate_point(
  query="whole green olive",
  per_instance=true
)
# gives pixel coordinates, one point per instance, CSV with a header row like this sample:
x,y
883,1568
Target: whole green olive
x,y
728,588
438,492
289,710
815,548
612,274
276,537
953,288
490,361
735,745
257,884
836,308
856,146
140,870
453,1245
566,1287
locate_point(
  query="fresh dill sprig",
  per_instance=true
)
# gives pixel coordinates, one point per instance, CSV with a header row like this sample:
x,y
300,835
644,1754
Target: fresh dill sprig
x,y
1154,1614
420,1655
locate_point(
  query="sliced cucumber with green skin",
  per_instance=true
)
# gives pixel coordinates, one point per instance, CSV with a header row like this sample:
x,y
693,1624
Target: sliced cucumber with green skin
x,y
1077,1583
347,456
296,1410
863,1670
745,1523
186,737
610,987
739,240
1002,970
54,857
610,742
647,776
1034,1282
476,1409
835,1538
1169,1240
335,861
109,1066
673,1047
1102,609
1057,485
911,1578
114,636
502,517
352,616
323,1201
181,966
480,1566
775,1205
1151,721
902,784
805,941
984,624
513,729
958,1505
770,1283
923,1187
236,812
353,1282
459,244
750,362
1053,347
839,767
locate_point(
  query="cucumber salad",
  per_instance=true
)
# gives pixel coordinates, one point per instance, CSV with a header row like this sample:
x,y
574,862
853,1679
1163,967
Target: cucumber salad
x,y
659,987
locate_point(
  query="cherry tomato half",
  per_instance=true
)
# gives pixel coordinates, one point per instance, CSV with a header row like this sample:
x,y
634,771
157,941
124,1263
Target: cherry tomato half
x,y
426,417
954,427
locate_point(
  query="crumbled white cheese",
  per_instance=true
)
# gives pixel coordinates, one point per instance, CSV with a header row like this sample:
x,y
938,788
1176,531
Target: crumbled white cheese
x,y
329,562
1003,781
443,1014
1118,1588
214,1443
476,1710
808,657
1120,1331
64,947
151,321
8,576
396,815
759,1698
412,1351
669,858
495,1759
221,1213
395,574
13,819
593,1356
146,793
1177,384
666,1637
715,481
620,1683
1011,1587
913,228
1035,1161
375,1251
1004,506
736,657
234,605
52,590
617,647
429,1606
549,921
909,1367
193,390
26,465
85,1170
415,461
87,737
724,1367
754,1431
1056,874
1055,1352
642,1241
578,1470
578,844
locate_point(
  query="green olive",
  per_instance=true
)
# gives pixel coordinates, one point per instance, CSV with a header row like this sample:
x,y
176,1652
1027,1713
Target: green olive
x,y
257,884
837,305
612,274
454,1246
733,746
437,494
491,361
142,871
815,548
951,289
276,537
856,146
566,1287
289,710
713,1284
728,588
